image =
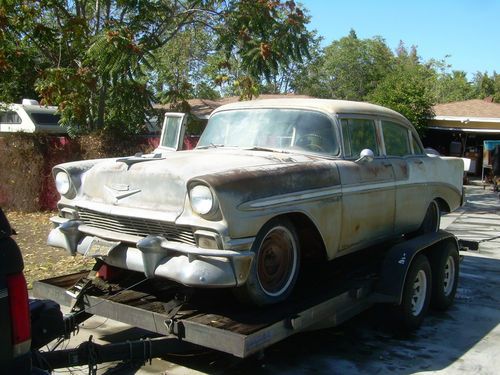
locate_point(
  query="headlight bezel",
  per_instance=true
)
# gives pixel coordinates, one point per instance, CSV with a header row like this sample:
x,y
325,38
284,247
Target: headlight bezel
x,y
70,191
199,191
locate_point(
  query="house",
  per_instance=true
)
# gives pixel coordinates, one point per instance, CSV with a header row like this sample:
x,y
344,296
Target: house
x,y
460,129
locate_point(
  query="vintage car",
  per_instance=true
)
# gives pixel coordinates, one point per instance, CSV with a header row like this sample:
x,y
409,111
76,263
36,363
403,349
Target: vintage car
x,y
271,182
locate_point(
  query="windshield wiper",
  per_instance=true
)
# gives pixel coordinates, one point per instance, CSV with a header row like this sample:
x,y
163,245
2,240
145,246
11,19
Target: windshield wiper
x,y
211,145
258,148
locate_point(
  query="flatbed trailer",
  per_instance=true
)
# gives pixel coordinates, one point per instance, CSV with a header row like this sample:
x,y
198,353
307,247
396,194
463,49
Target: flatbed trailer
x,y
325,296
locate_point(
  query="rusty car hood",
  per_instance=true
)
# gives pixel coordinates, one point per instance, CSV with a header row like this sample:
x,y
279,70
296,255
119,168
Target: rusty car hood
x,y
160,184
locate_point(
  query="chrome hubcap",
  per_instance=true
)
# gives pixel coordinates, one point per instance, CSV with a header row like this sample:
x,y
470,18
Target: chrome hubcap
x,y
277,261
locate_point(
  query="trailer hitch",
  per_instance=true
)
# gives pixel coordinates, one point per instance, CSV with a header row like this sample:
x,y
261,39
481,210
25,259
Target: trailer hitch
x,y
90,353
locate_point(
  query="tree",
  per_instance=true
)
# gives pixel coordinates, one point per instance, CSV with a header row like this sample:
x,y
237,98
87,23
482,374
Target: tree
x,y
349,68
309,78
496,95
408,89
20,61
455,87
484,85
101,68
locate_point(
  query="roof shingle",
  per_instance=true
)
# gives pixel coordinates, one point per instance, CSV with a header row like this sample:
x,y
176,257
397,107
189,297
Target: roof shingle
x,y
469,108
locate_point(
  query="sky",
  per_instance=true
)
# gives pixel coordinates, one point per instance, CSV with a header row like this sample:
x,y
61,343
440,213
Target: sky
x,y
467,30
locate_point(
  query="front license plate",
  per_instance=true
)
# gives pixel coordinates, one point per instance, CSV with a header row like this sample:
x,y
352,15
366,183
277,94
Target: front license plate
x,y
100,248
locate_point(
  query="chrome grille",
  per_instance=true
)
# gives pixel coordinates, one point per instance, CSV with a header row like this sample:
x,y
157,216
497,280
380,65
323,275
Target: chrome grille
x,y
137,226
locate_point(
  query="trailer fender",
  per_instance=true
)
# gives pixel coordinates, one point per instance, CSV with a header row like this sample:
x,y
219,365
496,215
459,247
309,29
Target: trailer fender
x,y
394,268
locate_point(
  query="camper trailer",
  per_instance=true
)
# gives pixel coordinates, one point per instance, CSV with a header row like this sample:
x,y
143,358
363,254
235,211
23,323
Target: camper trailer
x,y
29,117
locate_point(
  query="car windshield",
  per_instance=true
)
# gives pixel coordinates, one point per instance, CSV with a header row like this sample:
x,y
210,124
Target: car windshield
x,y
282,129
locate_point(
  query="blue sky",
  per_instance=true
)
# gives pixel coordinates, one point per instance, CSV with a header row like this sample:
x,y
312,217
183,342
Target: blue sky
x,y
467,30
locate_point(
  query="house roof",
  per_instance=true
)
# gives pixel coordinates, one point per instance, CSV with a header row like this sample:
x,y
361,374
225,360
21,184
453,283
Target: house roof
x,y
475,108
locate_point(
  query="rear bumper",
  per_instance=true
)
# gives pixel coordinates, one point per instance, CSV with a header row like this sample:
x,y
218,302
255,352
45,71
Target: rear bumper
x,y
155,256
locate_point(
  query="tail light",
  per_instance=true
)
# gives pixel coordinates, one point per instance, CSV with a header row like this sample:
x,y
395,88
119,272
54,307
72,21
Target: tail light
x,y
19,313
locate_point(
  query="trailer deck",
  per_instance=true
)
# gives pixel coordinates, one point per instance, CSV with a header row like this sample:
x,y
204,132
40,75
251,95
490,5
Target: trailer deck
x,y
213,317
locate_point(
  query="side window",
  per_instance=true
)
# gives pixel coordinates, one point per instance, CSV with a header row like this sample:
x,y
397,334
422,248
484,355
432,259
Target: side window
x,y
9,117
417,149
396,139
358,135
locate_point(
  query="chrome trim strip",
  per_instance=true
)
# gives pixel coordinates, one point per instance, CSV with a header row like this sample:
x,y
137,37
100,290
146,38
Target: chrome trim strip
x,y
297,197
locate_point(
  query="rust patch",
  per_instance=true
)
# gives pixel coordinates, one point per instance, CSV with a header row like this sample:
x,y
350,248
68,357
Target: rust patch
x,y
374,170
261,182
404,169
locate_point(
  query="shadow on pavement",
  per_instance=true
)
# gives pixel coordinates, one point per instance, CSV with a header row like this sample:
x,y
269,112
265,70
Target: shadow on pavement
x,y
368,344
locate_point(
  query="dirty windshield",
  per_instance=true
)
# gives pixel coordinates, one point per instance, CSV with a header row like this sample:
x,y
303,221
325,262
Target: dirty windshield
x,y
277,129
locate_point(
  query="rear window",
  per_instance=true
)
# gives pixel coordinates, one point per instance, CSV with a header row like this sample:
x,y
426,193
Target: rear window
x,y
396,139
45,118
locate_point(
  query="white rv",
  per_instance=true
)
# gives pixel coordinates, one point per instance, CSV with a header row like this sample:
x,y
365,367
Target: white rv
x,y
29,117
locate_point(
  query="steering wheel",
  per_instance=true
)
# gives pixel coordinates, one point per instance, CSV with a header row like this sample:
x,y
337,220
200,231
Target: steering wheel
x,y
312,142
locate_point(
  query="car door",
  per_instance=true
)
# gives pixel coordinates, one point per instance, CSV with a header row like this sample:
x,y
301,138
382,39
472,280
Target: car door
x,y
172,133
408,160
368,196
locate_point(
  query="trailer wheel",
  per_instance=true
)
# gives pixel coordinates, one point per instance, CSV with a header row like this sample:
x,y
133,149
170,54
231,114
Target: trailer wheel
x,y
445,266
275,266
416,294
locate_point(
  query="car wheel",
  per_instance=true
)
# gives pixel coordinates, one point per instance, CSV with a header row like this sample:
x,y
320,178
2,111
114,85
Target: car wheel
x,y
275,266
416,294
445,266
432,219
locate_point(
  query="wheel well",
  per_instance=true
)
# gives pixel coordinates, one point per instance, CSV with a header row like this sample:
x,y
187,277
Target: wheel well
x,y
443,206
311,243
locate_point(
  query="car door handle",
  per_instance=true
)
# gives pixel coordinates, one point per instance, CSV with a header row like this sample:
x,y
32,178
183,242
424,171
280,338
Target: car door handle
x,y
418,161
387,164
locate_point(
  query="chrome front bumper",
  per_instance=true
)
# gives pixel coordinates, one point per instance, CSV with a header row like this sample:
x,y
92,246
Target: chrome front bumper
x,y
158,257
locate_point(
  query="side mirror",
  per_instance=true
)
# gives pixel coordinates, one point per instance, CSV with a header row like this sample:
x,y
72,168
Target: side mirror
x,y
366,155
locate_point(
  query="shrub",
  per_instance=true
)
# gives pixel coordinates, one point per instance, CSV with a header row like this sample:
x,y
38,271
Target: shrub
x,y
26,162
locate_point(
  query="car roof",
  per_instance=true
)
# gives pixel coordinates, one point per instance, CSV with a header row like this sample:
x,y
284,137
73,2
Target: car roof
x,y
30,108
323,105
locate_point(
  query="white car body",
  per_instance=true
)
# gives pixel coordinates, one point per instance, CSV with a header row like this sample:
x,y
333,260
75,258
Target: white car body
x,y
29,117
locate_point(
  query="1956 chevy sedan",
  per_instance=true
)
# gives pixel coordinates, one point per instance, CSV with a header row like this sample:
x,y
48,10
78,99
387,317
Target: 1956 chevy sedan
x,y
270,182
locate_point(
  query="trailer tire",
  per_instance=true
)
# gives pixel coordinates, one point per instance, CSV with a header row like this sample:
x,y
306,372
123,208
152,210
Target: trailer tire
x,y
445,268
275,266
416,294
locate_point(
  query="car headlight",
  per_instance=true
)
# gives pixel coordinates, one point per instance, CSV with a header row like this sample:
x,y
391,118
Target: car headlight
x,y
202,199
63,182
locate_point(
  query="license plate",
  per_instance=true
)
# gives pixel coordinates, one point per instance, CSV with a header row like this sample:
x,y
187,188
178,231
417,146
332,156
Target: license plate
x,y
100,248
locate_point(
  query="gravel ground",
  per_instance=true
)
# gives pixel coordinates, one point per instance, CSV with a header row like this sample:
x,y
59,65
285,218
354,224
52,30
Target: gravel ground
x,y
42,261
